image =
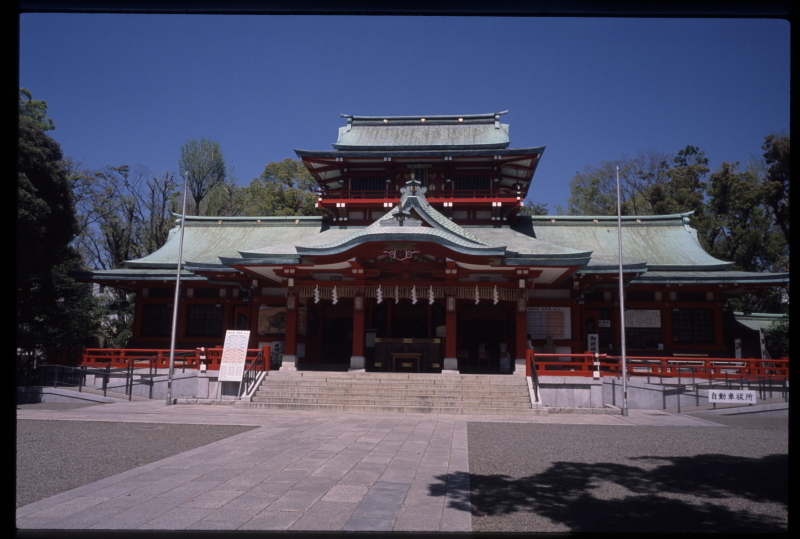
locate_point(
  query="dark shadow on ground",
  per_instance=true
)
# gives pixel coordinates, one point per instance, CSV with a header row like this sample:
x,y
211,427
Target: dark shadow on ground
x,y
704,493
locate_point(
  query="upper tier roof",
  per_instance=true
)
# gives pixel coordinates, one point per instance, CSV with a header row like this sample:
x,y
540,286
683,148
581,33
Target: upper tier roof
x,y
459,132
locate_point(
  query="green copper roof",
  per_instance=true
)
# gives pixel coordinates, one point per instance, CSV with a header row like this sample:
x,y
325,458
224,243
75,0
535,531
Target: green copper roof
x,y
664,242
662,249
757,321
206,239
711,277
477,131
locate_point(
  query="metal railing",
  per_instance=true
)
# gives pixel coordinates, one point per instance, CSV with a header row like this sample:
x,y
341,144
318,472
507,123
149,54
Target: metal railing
x,y
438,194
75,377
679,377
587,363
531,372
251,375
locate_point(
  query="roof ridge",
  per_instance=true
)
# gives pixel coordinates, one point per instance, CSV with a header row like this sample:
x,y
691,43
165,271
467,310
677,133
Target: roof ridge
x,y
488,115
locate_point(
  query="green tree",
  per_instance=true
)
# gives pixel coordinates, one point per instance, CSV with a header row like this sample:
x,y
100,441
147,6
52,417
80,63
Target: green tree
x,y
593,191
739,227
684,189
776,181
227,198
52,309
777,337
533,208
124,213
740,217
284,188
202,160
34,111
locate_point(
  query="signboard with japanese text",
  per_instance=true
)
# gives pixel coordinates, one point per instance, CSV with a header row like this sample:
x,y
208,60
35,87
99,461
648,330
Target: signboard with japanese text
x,y
553,322
732,396
234,355
643,318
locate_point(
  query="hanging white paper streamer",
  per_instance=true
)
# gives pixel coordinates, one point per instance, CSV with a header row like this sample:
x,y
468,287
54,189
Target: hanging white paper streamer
x,y
334,296
414,295
379,295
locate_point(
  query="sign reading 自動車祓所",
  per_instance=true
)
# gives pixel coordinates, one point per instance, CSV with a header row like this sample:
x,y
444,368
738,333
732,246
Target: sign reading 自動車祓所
x,y
234,356
732,396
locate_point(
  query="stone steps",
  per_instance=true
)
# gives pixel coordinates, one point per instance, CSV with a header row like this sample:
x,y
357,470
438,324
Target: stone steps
x,y
399,395
399,401
394,378
332,389
409,409
394,392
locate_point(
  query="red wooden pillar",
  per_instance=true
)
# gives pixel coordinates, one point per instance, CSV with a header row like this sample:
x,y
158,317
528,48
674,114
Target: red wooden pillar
x,y
357,359
521,334
451,340
289,362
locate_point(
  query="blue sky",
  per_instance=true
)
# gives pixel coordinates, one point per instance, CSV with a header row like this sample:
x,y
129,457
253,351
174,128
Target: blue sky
x,y
131,89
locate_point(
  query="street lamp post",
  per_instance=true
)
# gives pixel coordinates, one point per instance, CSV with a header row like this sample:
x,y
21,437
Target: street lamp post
x,y
622,304
177,294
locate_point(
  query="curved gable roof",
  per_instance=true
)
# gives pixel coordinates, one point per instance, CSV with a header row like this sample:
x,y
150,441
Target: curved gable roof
x,y
664,242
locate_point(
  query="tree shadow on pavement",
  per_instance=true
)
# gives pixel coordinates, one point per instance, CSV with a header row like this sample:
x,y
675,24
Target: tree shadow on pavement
x,y
704,493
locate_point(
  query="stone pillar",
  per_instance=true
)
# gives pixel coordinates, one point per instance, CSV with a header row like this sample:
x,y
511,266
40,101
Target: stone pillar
x,y
289,361
357,359
450,364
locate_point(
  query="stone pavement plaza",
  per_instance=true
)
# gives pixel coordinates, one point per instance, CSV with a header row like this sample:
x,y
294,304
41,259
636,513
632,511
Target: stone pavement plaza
x,y
296,471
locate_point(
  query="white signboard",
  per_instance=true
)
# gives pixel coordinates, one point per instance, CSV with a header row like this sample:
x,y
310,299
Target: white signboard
x,y
643,318
234,355
553,322
732,396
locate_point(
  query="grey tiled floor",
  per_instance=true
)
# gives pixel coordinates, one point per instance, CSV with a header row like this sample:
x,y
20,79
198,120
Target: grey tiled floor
x,y
297,471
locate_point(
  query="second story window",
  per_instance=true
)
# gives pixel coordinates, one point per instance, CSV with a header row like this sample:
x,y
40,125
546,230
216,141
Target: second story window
x,y
471,184
369,187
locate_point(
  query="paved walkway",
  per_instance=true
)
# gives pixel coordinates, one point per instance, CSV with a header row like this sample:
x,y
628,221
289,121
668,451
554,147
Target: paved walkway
x,y
297,471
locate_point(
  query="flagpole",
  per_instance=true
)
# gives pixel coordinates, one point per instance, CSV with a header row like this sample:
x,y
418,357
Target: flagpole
x,y
177,294
622,304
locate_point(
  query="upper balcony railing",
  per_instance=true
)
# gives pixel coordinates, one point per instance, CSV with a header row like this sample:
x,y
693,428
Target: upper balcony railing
x,y
432,196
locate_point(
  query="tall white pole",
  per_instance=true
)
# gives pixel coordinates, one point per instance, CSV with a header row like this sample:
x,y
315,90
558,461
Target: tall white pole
x,y
177,294
622,304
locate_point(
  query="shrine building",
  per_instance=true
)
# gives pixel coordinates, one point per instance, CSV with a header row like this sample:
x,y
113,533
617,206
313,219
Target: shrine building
x,y
423,262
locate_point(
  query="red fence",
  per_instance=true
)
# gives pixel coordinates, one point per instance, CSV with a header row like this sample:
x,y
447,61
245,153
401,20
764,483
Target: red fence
x,y
666,367
156,359
585,364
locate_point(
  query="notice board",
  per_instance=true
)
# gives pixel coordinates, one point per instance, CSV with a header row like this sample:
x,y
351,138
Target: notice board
x,y
234,355
553,322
